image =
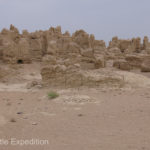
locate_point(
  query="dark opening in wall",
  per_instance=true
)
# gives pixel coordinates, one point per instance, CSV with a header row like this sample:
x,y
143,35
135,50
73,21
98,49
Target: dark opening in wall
x,y
20,61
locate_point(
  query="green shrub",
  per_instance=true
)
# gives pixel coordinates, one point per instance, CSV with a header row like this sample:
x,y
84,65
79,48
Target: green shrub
x,y
52,95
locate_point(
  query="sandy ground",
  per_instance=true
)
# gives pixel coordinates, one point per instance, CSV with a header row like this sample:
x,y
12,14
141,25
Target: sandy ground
x,y
79,119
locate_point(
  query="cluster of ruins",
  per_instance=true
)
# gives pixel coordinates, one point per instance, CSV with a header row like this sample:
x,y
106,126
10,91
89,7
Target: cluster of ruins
x,y
67,57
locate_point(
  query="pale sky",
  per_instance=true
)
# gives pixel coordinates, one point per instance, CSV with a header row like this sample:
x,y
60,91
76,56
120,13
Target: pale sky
x,y
103,18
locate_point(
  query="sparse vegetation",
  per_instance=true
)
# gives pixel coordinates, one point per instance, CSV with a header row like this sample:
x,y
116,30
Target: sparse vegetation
x,y
53,95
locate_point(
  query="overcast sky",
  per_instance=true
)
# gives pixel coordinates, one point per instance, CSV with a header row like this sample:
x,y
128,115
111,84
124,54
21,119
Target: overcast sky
x,y
103,18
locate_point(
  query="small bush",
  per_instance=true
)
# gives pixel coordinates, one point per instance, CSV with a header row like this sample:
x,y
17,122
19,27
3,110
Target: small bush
x,y
52,95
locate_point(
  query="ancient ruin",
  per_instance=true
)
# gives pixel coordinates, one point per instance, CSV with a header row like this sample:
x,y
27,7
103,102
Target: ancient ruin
x,y
63,87
66,59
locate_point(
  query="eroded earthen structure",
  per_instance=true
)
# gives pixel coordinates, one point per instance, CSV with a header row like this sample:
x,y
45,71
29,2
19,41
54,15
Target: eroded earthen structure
x,y
66,58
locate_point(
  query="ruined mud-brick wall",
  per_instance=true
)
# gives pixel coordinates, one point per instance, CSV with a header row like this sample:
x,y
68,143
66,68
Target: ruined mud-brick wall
x,y
146,43
128,54
80,48
13,46
133,45
28,47
74,76
52,47
21,48
66,57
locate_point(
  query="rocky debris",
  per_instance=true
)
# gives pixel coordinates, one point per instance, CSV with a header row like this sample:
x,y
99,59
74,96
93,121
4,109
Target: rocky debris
x,y
34,123
33,84
13,120
76,99
25,117
80,115
19,113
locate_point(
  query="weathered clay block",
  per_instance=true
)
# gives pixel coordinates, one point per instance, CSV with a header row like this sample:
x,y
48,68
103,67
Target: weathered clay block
x,y
122,65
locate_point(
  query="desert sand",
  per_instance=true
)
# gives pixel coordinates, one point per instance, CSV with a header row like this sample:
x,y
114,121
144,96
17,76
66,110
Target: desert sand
x,y
103,101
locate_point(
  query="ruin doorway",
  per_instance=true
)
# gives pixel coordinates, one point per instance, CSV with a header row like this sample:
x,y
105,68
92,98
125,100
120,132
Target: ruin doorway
x,y
19,61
